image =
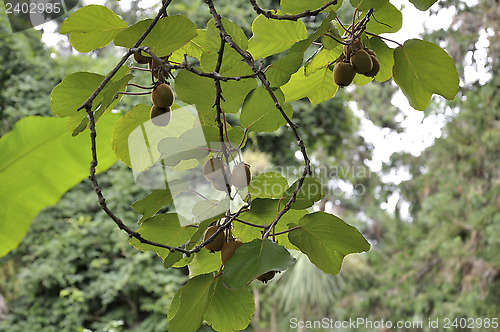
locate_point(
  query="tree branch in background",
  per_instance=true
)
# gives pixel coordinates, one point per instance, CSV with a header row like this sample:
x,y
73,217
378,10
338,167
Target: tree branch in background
x,y
307,13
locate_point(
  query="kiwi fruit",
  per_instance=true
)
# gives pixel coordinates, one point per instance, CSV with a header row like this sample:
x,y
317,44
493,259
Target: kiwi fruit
x,y
343,73
266,276
142,59
361,61
160,116
162,95
228,250
352,47
241,175
376,64
214,169
218,242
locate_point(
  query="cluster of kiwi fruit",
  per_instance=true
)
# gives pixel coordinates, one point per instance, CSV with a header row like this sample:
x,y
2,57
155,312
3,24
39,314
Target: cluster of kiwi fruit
x,y
217,172
228,248
355,59
162,94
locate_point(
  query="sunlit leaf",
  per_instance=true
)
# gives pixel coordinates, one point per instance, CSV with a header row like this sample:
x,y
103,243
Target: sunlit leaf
x,y
274,36
40,162
318,87
92,27
422,68
168,35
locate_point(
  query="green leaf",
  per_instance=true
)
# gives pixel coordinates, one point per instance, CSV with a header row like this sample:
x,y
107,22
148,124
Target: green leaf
x,y
200,91
318,87
263,212
229,310
186,314
274,36
280,71
299,6
40,162
322,60
326,240
213,37
168,35
76,88
423,4
385,56
164,229
259,113
172,258
253,259
269,184
363,5
152,203
388,20
422,68
204,262
310,192
92,27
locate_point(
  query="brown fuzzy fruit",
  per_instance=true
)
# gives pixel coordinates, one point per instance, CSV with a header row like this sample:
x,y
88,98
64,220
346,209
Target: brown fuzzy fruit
x,y
160,116
376,64
163,96
214,169
218,242
228,250
361,62
351,48
343,73
142,59
241,175
266,276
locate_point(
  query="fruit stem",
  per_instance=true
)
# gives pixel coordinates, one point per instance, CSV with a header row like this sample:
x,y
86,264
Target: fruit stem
x,y
384,38
133,93
141,86
250,224
288,230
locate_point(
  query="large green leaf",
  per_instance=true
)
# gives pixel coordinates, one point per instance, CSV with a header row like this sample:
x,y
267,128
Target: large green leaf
x,y
76,88
203,262
189,304
263,212
200,91
386,20
274,36
168,35
422,68
310,192
367,4
259,112
280,71
385,58
152,203
40,162
253,259
299,6
321,60
326,240
269,184
92,27
423,4
164,229
229,310
213,36
318,87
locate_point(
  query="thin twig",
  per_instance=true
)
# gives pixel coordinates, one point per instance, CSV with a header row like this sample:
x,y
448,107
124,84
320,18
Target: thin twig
x,y
307,13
